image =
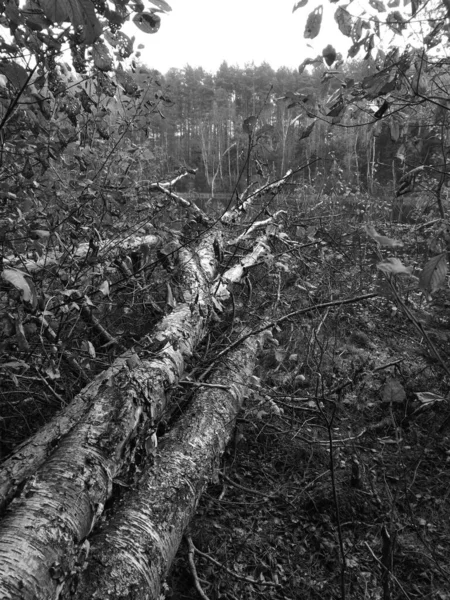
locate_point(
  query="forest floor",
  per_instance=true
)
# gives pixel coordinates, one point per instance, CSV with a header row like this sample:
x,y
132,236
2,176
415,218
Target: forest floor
x,y
337,483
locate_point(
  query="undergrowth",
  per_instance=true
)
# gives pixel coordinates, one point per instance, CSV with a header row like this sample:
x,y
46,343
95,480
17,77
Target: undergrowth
x,y
336,482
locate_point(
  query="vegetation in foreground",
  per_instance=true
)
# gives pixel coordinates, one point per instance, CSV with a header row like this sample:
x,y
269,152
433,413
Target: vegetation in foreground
x,y
336,481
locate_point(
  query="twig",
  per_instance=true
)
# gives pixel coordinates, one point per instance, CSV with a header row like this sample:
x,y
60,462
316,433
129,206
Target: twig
x,y
68,356
106,338
232,573
392,574
342,441
418,326
329,424
209,385
387,560
246,489
191,553
49,387
289,316
387,365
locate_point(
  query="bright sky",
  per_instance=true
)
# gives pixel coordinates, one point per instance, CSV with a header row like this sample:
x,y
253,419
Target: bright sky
x,y
207,32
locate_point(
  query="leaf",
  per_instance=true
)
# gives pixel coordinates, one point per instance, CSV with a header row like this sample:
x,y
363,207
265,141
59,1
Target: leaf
x,y
434,274
133,361
147,22
101,56
56,10
377,5
394,130
300,4
393,391
382,240
15,364
52,371
104,288
401,153
41,234
357,30
249,124
309,61
396,21
87,346
394,266
433,38
344,21
129,85
217,305
428,398
280,355
27,170
307,131
15,74
81,13
336,109
329,54
354,49
383,108
170,300
161,4
313,23
22,283
22,341
378,84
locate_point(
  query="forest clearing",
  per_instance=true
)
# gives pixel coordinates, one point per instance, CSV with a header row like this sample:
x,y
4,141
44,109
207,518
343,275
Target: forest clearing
x,y
224,311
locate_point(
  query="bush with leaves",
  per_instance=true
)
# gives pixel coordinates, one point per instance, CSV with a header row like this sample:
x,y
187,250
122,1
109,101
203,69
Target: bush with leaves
x,y
71,161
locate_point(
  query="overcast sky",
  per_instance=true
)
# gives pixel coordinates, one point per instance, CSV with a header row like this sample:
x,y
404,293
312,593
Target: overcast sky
x,y
207,32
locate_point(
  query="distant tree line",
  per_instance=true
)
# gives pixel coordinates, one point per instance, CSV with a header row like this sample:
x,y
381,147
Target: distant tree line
x,y
204,128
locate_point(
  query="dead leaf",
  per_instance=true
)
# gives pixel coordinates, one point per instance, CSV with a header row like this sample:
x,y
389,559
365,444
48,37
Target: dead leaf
x,y
434,274
382,240
394,266
104,288
393,391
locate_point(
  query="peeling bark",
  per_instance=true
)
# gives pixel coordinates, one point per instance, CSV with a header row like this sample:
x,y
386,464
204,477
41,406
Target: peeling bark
x,y
42,528
53,258
130,556
95,441
30,455
59,506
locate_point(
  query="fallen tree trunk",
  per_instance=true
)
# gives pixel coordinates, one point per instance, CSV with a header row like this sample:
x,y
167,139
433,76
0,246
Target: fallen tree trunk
x,y
28,457
130,556
53,258
42,530
61,503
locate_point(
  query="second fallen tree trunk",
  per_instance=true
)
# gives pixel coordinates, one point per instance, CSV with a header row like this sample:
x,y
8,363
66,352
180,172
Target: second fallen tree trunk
x,y
131,555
